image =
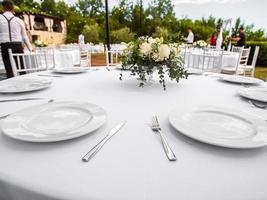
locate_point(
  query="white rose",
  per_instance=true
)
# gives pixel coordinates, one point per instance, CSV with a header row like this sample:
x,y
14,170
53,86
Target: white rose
x,y
164,52
151,40
145,48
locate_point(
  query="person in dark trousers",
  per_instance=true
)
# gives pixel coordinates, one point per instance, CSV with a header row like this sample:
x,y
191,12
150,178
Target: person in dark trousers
x,y
240,38
12,35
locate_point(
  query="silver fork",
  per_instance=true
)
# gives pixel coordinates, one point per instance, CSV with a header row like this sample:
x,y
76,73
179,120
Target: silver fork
x,y
258,105
156,128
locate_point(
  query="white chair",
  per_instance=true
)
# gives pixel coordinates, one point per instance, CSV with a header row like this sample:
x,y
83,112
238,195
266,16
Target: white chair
x,y
85,59
241,64
193,58
212,60
2,68
250,69
23,63
237,49
49,55
114,57
243,61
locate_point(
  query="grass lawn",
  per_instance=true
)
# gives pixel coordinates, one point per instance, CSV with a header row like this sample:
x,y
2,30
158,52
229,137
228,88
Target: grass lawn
x,y
261,73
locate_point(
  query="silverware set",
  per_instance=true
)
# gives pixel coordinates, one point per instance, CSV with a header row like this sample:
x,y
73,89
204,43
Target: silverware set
x,y
155,128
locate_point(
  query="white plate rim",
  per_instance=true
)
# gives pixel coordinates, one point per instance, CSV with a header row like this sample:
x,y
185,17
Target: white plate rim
x,y
224,109
44,86
244,93
72,70
92,108
230,78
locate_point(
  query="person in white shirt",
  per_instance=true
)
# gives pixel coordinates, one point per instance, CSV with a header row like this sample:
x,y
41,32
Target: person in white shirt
x,y
12,35
190,37
81,39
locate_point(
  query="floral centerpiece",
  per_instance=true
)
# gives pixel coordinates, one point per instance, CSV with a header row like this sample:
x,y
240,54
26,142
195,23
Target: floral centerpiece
x,y
146,55
40,43
200,44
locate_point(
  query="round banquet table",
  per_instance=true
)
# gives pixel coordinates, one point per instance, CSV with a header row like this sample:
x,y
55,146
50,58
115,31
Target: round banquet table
x,y
132,165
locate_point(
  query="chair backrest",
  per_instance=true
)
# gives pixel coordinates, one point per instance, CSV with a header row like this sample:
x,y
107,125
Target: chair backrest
x,y
212,60
243,60
49,55
255,56
85,58
237,49
193,58
244,56
22,63
114,57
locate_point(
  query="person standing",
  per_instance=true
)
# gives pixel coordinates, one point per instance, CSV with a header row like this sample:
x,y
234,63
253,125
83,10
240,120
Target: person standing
x,y
12,35
190,37
213,40
81,39
240,38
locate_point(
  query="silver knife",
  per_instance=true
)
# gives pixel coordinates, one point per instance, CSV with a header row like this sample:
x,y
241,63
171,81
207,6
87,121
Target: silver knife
x,y
100,144
58,76
24,99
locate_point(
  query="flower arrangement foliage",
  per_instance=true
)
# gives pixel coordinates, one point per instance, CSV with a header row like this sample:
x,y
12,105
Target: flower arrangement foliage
x,y
40,43
200,44
147,54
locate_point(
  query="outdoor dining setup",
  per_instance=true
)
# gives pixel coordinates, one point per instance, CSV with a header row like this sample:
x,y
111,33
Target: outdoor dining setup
x,y
143,114
71,131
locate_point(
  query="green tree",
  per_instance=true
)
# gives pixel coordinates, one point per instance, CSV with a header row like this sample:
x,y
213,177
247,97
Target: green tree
x,y
122,35
62,9
48,6
91,8
91,33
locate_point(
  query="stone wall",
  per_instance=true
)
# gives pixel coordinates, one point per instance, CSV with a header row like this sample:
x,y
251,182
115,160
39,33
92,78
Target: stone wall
x,y
50,37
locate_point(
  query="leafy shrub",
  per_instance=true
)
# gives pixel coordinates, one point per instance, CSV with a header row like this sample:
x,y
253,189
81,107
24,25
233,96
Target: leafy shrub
x,y
122,35
262,58
91,33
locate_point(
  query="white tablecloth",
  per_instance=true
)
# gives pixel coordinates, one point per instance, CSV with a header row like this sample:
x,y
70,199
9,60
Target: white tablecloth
x,y
66,58
132,165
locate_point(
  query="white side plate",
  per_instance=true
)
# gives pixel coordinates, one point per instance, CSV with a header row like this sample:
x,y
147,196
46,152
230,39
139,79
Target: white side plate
x,y
220,126
70,70
192,71
24,84
258,93
54,121
241,79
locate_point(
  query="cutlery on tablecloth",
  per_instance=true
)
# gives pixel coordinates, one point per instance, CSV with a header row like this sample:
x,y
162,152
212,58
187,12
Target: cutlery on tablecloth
x,y
47,75
90,154
167,149
24,99
107,68
4,116
258,105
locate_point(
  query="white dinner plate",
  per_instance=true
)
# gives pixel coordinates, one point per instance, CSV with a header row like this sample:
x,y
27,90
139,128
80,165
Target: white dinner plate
x,y
220,126
53,122
24,84
241,79
193,71
258,93
70,70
